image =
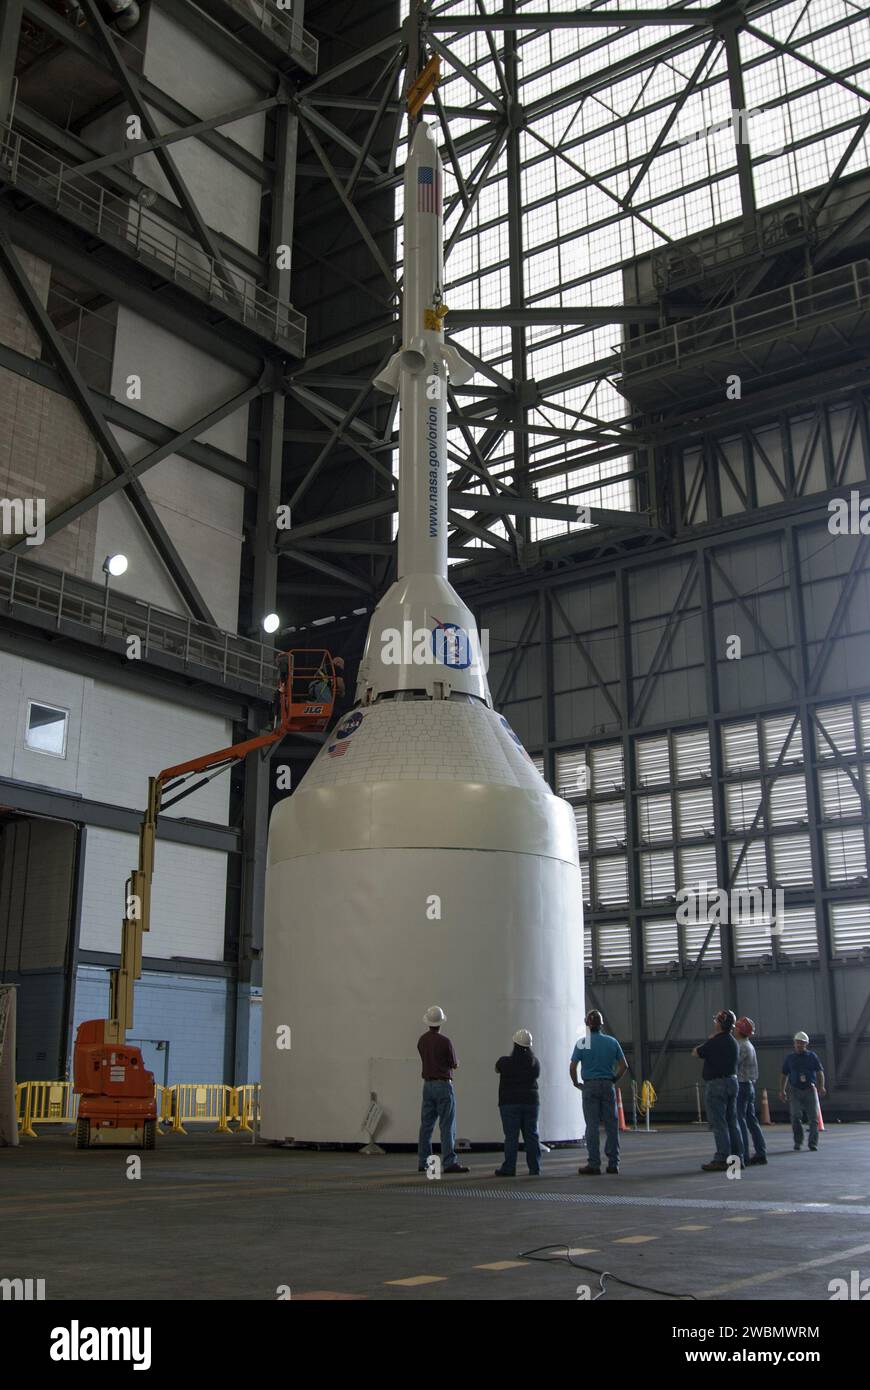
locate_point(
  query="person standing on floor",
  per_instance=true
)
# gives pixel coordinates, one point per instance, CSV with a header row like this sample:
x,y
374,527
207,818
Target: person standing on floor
x,y
439,1063
720,1055
602,1062
747,1075
803,1081
519,1105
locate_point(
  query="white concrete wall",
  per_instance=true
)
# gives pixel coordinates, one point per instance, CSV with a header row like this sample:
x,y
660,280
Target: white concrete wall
x,y
115,739
188,901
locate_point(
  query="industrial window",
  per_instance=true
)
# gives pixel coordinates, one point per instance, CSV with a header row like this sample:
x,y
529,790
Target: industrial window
x,y
571,773
850,927
835,732
581,820
695,813
781,737
607,769
797,933
698,865
839,794
655,819
611,881
46,729
657,876
587,947
752,938
608,820
787,801
614,946
864,722
692,755
694,936
752,870
661,945
743,806
538,760
740,747
653,762
792,860
845,855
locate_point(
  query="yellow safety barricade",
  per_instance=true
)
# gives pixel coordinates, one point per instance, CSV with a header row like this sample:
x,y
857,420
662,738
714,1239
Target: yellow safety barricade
x,y
48,1103
246,1104
193,1102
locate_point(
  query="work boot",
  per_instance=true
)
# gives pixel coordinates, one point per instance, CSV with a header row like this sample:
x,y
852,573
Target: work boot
x,y
589,1171
715,1166
456,1168
612,1168
758,1159
500,1173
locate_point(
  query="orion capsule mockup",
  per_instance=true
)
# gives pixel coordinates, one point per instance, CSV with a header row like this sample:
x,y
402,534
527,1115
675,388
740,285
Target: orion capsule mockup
x,y
422,858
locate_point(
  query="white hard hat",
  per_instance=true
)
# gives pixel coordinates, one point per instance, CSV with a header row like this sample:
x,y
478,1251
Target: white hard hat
x,y
434,1015
523,1037
801,1037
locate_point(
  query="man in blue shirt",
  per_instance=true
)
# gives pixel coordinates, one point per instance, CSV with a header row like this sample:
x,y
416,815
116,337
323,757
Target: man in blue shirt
x,y
603,1062
803,1081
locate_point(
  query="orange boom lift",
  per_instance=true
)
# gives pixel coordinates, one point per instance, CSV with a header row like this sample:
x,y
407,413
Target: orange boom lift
x,y
118,1104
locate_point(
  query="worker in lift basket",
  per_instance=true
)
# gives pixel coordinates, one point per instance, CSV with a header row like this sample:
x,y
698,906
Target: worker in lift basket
x,y
321,687
439,1063
803,1081
603,1063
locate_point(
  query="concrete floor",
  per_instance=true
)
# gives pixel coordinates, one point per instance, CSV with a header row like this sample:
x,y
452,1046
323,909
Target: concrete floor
x,y
213,1217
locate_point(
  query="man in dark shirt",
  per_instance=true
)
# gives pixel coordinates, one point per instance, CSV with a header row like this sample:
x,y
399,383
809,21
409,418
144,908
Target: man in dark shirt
x,y
519,1105
803,1081
720,1054
439,1063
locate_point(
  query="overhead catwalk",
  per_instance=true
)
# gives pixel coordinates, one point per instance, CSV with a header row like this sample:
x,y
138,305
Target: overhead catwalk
x,y
422,857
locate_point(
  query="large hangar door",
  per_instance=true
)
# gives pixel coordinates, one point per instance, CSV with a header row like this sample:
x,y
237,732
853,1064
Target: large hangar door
x,y
37,900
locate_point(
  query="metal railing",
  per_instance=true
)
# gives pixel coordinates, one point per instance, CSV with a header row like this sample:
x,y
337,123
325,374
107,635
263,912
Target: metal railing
x,y
282,27
29,587
784,311
140,234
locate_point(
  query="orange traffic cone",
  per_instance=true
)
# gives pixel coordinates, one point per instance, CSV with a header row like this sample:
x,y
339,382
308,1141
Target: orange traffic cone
x,y
623,1127
765,1109
819,1114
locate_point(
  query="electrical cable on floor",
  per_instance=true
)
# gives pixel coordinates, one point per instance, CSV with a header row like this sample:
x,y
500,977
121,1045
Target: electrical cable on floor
x,y
603,1274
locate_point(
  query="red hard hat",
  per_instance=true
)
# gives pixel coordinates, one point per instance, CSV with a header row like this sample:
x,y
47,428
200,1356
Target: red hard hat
x,y
745,1027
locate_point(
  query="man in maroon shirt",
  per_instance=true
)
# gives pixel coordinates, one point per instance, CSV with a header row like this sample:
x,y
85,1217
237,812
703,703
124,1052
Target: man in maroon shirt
x,y
439,1063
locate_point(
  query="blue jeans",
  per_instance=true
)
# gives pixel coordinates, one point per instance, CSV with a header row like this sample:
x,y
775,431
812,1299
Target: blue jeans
x,y
800,1102
439,1103
599,1107
515,1118
720,1098
747,1119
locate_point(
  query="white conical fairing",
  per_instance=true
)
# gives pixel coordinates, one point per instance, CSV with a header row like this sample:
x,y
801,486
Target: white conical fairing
x,y
423,857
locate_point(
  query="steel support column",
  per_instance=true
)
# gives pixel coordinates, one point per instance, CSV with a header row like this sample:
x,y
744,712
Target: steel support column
x,y
11,12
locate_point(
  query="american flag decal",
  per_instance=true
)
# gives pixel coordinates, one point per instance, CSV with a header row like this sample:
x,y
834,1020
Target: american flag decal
x,y
429,191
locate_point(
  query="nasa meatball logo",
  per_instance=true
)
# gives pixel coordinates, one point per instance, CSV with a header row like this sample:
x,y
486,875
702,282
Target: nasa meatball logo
x,y
350,725
451,646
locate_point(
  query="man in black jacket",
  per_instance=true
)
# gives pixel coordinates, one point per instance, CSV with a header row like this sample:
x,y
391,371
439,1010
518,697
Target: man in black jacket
x,y
519,1104
720,1055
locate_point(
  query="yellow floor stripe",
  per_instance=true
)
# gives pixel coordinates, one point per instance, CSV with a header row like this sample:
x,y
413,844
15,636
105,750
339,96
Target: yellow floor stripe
x,y
504,1264
583,1250
418,1279
741,1218
634,1240
691,1228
